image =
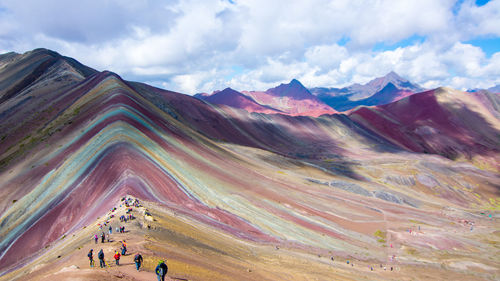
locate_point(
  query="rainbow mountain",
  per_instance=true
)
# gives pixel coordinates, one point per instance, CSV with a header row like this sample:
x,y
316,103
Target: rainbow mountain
x,y
236,195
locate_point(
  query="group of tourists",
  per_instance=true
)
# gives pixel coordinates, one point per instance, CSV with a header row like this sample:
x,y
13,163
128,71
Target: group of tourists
x,y
384,267
160,270
348,262
103,238
100,256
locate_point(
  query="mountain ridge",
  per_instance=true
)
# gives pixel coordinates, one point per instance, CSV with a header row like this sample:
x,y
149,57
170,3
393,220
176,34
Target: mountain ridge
x,y
236,99
290,99
347,98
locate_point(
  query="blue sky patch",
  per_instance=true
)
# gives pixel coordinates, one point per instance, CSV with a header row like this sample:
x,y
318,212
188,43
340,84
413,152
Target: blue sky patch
x,y
385,46
488,45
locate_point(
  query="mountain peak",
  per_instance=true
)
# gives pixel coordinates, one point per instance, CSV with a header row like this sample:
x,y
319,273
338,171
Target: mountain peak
x,y
378,84
294,89
44,51
233,98
229,89
393,76
227,92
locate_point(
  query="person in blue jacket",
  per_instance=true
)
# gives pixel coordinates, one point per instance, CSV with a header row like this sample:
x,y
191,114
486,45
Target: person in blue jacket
x,y
161,270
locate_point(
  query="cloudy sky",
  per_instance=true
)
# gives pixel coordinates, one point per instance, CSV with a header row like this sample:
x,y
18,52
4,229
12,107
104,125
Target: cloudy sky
x,y
201,46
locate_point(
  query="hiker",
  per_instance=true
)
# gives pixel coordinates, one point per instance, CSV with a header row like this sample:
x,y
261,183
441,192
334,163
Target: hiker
x,y
117,258
96,238
103,237
124,248
91,257
110,229
138,261
161,270
100,255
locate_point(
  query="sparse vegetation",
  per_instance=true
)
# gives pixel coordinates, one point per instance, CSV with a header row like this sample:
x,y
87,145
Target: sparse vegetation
x,y
381,235
410,251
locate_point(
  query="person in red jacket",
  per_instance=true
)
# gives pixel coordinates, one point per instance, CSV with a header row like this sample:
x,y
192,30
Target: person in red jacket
x,y
117,258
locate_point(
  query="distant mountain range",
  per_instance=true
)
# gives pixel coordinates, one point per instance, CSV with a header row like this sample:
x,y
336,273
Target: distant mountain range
x,y
295,99
236,99
494,89
290,99
382,90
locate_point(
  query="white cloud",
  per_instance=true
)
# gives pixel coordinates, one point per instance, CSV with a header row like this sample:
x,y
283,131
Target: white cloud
x,y
326,56
484,20
192,46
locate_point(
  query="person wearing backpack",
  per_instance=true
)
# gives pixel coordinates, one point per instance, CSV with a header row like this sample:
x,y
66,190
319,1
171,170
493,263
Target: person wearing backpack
x,y
91,257
138,261
124,248
161,270
100,255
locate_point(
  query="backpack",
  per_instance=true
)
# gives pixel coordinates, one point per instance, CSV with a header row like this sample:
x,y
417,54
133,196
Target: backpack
x,y
161,271
89,255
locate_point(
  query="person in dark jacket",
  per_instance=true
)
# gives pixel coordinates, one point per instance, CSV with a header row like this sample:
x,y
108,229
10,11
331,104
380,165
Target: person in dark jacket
x,y
103,237
161,270
91,257
100,255
138,261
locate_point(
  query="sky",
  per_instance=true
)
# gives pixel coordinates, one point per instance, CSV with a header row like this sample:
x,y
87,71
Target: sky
x,y
202,46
